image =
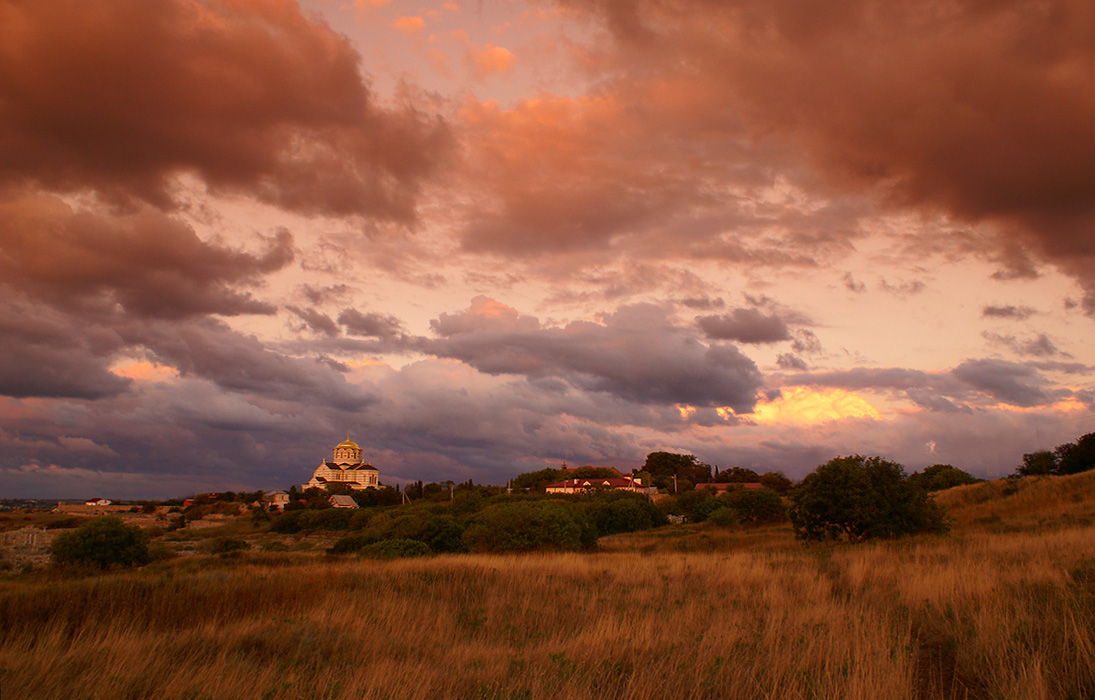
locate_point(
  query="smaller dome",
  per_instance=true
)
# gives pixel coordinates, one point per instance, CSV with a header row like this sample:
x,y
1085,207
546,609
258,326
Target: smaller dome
x,y
348,443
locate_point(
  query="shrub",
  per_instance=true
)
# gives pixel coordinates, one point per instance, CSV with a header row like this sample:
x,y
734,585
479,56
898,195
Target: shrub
x,y
528,526
353,543
757,506
226,545
104,542
624,513
939,477
724,517
395,549
861,499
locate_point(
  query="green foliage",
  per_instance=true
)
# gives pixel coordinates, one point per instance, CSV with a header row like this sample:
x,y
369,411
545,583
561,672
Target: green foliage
x,y
441,533
226,545
395,549
292,521
724,517
861,498
939,477
756,506
1069,458
663,466
736,475
105,542
776,481
528,526
624,512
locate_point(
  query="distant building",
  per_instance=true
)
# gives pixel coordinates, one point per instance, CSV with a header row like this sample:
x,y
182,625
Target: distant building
x,y
276,499
340,501
623,483
98,502
345,467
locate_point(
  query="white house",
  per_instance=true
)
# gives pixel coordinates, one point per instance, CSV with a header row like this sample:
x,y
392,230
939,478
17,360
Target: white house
x,y
623,483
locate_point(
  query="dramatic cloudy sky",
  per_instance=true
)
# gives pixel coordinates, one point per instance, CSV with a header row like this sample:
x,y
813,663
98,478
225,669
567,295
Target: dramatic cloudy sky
x,y
487,237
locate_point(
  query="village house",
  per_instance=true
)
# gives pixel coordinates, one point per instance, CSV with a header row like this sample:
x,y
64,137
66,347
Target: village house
x,y
276,499
623,483
345,467
342,501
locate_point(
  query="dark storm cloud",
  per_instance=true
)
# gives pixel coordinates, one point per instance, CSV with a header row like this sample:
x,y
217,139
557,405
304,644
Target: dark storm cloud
x,y
316,320
636,354
209,349
788,361
1008,382
1019,313
150,264
979,110
967,385
256,98
372,324
745,326
43,354
1037,346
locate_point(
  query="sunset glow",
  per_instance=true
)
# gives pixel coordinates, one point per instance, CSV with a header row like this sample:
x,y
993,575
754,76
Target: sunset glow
x,y
492,237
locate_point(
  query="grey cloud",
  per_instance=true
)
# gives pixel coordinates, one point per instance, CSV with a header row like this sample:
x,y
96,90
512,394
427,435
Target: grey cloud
x,y
1019,313
788,361
635,354
371,324
745,326
1010,382
315,320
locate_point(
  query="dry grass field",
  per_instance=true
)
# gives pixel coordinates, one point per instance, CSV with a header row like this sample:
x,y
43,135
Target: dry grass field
x,y
1004,607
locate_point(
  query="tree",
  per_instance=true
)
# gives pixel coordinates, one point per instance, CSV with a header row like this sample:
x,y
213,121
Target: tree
x,y
528,526
1037,463
663,466
756,506
737,475
1073,458
939,477
862,498
105,542
776,481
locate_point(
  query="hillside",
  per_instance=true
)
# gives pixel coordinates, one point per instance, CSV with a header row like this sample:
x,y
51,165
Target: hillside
x,y
1033,502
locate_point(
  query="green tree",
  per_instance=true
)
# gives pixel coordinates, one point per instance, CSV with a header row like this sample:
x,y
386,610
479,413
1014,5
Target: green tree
x,y
737,475
776,481
862,498
1037,463
663,466
756,506
529,526
105,542
939,477
1076,457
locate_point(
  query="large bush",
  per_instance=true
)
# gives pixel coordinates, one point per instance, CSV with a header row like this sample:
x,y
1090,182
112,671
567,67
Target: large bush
x,y
624,512
104,542
939,477
756,506
528,526
861,498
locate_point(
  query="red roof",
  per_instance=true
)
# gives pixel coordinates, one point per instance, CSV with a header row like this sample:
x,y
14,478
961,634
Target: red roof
x,y
615,483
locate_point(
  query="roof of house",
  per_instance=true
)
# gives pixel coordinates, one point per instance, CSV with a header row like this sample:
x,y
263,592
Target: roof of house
x,y
349,467
616,483
341,501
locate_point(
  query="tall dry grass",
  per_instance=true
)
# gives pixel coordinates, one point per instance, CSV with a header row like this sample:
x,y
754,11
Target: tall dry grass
x,y
982,615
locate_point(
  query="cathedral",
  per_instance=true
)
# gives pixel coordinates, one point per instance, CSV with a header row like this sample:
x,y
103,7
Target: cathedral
x,y
345,467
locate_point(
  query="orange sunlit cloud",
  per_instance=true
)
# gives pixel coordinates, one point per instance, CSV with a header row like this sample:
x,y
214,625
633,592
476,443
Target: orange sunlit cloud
x,y
409,25
145,371
802,406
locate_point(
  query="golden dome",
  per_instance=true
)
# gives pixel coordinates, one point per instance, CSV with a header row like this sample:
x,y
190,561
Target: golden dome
x,y
348,443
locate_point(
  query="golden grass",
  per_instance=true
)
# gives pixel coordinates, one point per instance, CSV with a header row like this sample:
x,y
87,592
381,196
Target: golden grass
x,y
979,615
1043,501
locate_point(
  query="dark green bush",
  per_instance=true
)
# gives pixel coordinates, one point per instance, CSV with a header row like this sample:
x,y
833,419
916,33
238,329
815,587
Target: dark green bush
x,y
104,542
395,549
624,512
756,506
225,545
529,526
860,499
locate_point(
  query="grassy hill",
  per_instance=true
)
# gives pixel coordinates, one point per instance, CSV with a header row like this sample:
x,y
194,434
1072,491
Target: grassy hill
x,y
1003,607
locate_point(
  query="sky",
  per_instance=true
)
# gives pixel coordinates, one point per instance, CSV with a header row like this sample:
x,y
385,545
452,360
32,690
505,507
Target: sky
x,y
485,238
